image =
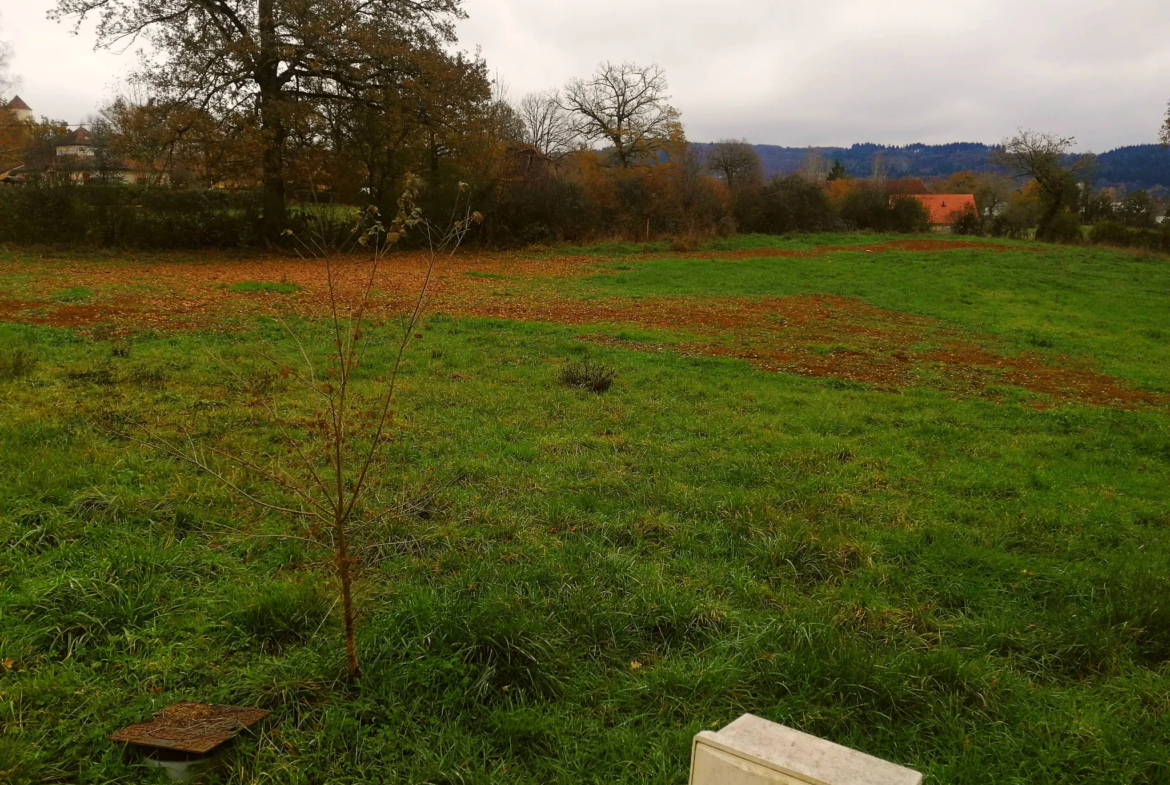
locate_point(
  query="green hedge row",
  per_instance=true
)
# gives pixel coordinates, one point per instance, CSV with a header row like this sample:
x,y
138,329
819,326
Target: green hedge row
x,y
148,218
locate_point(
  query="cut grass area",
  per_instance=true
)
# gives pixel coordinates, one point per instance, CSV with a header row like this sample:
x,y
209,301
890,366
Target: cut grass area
x,y
1108,306
974,589
263,287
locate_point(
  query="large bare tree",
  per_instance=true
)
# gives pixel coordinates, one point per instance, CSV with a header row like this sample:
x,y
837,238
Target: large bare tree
x,y
547,126
736,161
278,59
626,106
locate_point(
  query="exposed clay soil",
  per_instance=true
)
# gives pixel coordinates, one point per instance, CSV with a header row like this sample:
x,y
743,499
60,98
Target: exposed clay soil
x,y
813,335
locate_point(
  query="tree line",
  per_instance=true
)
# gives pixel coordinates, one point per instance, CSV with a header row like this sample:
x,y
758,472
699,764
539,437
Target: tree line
x,y
278,104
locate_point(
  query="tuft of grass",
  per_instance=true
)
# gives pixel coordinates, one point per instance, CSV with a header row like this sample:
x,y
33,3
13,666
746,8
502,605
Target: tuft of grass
x,y
1139,604
587,375
17,363
264,287
100,374
279,614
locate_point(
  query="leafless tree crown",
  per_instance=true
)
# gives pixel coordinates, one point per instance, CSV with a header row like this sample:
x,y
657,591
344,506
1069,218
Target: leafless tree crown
x,y
1041,156
547,125
626,106
815,168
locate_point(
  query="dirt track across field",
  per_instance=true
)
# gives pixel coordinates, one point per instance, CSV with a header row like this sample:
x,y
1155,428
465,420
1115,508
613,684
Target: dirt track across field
x,y
812,335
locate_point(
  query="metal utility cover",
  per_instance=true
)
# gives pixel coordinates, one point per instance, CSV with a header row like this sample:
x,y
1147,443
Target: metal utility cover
x,y
191,727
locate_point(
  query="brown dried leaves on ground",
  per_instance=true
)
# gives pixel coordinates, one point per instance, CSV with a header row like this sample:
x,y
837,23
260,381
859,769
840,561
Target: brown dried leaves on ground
x,y
813,335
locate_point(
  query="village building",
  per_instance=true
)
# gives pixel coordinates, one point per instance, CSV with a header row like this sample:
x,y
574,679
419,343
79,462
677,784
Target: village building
x,y
21,111
945,209
77,157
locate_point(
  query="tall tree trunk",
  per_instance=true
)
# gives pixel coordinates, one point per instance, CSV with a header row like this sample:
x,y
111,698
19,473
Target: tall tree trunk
x,y
273,169
271,120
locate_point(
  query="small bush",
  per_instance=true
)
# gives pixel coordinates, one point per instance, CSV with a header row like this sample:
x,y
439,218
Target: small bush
x,y
968,223
1065,227
908,215
1016,220
120,348
587,375
16,363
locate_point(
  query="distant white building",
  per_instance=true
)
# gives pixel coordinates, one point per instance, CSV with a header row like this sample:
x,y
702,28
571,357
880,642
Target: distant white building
x,y
77,143
75,158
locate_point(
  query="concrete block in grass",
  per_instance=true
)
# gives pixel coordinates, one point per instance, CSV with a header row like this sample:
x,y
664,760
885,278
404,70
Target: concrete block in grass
x,y
754,751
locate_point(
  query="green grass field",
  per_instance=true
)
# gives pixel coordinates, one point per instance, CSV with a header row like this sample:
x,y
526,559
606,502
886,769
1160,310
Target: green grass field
x,y
976,586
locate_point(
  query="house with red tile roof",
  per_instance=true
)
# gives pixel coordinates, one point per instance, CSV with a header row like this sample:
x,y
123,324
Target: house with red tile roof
x,y
945,209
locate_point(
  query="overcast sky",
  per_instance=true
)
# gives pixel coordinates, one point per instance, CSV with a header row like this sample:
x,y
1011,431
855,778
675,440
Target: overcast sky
x,y
789,72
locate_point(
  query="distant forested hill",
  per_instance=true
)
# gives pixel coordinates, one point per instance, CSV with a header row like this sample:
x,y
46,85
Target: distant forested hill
x,y
1141,166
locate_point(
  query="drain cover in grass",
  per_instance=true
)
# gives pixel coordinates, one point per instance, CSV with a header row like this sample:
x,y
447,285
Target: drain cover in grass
x,y
191,727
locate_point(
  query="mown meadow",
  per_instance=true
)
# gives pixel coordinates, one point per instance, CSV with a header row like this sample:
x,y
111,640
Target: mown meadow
x,y
972,580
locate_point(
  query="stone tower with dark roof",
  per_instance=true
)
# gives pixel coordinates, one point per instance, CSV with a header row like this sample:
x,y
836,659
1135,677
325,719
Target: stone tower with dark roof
x,y
18,107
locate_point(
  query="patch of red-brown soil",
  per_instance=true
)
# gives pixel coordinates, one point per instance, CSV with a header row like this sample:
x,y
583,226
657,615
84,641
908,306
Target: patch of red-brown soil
x,y
975,367
812,335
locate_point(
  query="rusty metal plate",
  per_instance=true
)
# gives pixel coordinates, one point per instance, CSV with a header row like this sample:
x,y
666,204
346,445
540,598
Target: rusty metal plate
x,y
191,727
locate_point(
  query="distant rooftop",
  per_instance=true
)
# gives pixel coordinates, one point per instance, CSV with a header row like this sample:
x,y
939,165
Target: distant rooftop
x,y
17,105
78,137
944,207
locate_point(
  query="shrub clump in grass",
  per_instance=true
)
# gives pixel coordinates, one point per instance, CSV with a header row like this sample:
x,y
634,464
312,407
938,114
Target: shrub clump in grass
x,y
16,363
261,287
587,375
